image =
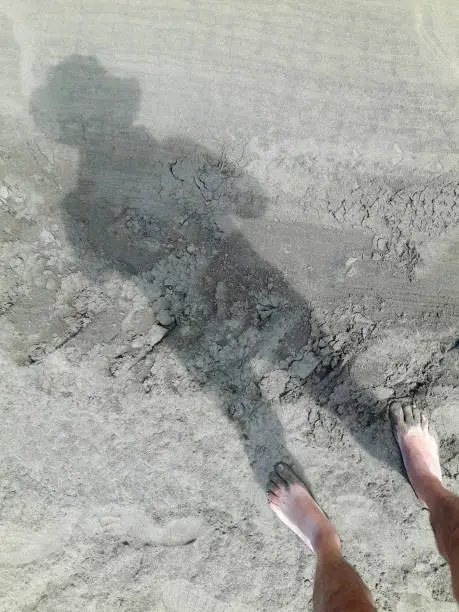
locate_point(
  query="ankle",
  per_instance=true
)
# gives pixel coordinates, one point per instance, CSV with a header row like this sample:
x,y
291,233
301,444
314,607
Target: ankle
x,y
429,488
327,542
444,516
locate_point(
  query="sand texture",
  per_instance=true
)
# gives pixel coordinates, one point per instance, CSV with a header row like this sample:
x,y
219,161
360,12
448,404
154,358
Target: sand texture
x,y
228,236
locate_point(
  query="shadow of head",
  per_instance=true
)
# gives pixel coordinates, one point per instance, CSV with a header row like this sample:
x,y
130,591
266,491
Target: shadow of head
x,y
81,102
135,196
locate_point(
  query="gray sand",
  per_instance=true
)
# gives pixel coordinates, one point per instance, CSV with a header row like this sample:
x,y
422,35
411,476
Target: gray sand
x,y
228,236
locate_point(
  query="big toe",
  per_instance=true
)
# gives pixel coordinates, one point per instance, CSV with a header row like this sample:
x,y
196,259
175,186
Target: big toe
x,y
397,418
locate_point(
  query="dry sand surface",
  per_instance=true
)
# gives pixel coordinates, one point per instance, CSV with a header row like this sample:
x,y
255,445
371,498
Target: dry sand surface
x,y
229,235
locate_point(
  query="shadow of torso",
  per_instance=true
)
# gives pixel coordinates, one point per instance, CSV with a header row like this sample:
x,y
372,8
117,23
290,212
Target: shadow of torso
x,y
165,212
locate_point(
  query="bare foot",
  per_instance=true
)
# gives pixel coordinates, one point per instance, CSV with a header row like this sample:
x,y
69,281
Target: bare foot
x,y
418,446
289,498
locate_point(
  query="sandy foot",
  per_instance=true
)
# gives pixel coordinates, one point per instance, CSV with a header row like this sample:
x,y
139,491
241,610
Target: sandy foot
x,y
289,498
417,444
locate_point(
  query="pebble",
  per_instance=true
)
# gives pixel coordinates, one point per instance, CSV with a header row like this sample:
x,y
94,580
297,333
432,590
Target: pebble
x,y
305,366
156,334
165,318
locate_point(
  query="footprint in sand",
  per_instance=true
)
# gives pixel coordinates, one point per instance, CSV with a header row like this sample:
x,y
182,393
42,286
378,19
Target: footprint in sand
x,y
20,545
132,523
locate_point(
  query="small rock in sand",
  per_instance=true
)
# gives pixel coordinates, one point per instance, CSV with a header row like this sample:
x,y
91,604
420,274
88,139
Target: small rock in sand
x,y
164,318
156,334
305,366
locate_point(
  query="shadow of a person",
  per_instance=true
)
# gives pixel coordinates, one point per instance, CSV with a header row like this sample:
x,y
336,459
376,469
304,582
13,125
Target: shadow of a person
x,y
166,210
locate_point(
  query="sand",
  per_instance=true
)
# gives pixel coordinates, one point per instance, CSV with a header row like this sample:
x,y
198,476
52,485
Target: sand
x,y
229,236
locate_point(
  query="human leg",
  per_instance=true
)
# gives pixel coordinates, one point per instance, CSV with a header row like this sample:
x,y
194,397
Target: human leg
x,y
422,463
337,586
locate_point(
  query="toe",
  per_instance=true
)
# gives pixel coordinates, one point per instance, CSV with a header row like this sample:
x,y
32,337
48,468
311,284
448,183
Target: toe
x,y
416,415
275,481
286,473
408,415
273,500
424,421
397,418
